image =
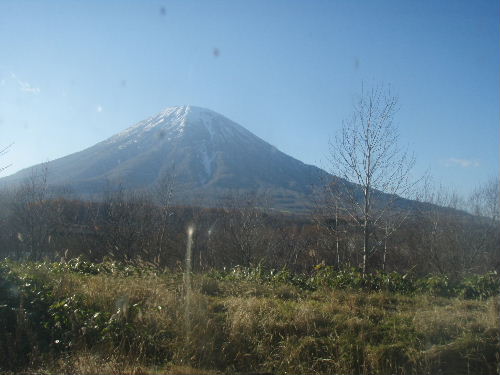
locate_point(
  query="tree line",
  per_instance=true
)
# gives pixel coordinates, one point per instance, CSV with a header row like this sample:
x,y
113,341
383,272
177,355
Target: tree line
x,y
433,236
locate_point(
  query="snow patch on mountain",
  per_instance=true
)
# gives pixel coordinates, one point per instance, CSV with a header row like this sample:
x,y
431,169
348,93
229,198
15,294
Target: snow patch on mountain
x,y
206,161
172,123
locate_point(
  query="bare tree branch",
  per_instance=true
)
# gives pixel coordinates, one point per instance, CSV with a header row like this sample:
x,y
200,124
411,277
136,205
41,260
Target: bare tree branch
x,y
374,170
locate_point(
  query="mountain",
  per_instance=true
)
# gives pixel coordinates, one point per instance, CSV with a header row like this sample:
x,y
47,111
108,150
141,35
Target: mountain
x,y
206,155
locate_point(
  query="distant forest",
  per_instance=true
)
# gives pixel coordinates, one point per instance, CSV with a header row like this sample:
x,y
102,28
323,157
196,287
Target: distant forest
x,y
428,238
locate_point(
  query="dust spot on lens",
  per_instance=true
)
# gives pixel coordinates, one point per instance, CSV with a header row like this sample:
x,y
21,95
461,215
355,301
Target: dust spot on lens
x,y
356,63
163,11
161,134
216,52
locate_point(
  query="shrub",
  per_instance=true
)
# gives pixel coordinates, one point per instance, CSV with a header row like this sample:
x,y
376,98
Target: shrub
x,y
438,285
480,286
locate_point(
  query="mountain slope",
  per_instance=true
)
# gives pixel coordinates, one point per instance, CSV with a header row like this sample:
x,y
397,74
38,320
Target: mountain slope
x,y
208,155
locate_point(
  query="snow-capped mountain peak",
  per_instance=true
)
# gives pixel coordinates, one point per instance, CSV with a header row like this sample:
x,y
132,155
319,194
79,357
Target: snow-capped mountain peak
x,y
209,154
172,122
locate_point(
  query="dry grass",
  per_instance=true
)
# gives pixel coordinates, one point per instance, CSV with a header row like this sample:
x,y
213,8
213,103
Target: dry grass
x,y
107,291
252,327
87,363
439,323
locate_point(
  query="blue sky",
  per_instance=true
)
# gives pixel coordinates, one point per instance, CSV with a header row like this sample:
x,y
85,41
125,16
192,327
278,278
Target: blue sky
x,y
73,73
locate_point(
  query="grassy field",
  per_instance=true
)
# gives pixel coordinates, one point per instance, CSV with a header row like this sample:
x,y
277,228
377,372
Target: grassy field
x,y
88,319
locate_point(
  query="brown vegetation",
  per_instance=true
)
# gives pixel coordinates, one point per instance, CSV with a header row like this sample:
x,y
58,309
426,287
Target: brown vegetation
x,y
138,324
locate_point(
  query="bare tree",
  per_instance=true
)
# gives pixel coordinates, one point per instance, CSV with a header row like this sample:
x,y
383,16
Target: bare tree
x,y
484,203
448,240
163,193
484,200
329,215
244,229
30,209
374,170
